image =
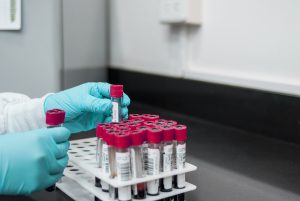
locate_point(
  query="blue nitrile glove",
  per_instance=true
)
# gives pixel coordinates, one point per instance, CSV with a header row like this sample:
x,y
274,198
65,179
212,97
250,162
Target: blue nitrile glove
x,y
33,160
85,105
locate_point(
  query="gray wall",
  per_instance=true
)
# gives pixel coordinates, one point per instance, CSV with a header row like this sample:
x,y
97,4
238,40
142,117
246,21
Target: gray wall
x,y
85,43
253,44
31,59
61,44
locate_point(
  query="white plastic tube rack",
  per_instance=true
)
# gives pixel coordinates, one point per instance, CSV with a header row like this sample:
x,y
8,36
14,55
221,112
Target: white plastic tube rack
x,y
82,159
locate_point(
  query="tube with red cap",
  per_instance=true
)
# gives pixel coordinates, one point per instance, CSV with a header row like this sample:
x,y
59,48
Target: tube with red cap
x,y
154,136
99,134
116,93
105,158
167,156
54,118
122,144
137,162
181,137
99,130
110,140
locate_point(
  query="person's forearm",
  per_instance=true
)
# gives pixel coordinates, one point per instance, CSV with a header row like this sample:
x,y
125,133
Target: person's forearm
x,y
23,116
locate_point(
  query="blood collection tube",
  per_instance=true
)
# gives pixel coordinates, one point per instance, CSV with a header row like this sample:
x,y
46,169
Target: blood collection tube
x,y
137,162
122,144
99,134
167,156
105,160
54,118
154,136
116,93
181,137
110,137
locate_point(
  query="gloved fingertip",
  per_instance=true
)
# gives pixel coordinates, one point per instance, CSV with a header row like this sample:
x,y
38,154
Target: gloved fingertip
x,y
104,89
125,117
124,111
126,100
108,119
60,134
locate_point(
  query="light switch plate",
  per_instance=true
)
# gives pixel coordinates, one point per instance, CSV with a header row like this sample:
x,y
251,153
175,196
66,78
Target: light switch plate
x,y
180,11
10,14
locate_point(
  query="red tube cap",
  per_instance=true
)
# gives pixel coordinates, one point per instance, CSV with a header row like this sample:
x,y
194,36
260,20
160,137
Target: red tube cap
x,y
123,127
144,129
110,137
133,126
149,123
161,121
154,135
137,137
107,129
159,124
116,124
116,91
171,123
127,121
168,133
180,132
135,116
55,117
140,120
122,141
100,129
150,117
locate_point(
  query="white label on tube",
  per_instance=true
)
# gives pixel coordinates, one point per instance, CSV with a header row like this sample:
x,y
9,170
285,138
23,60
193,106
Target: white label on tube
x,y
181,181
167,158
98,152
124,193
105,162
115,112
123,166
180,159
133,164
153,161
145,156
167,183
174,154
152,187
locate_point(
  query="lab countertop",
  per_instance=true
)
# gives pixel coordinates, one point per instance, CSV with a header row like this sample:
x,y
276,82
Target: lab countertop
x,y
229,154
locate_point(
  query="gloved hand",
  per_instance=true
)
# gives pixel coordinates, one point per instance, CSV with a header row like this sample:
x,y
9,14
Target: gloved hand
x,y
32,161
85,105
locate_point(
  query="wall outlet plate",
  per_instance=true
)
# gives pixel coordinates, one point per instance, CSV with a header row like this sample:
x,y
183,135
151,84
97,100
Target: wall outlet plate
x,y
180,11
10,14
